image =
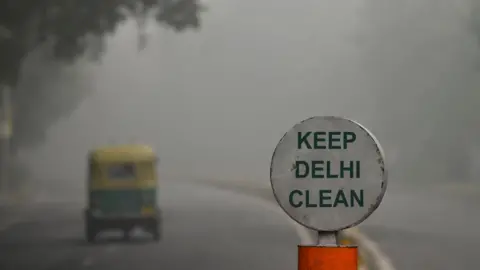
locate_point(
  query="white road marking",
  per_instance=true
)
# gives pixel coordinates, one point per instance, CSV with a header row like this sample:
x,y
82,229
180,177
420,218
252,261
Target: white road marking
x,y
381,261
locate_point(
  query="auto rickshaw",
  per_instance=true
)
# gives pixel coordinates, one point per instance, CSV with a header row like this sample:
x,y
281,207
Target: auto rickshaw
x,y
122,191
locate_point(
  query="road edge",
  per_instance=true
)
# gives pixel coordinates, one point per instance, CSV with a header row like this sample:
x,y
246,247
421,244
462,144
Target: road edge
x,y
375,259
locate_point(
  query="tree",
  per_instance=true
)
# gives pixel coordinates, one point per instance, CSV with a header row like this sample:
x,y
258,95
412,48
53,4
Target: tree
x,y
64,29
51,33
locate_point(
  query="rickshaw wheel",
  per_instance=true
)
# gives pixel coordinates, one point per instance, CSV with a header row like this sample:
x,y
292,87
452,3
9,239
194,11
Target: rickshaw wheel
x,y
156,235
156,231
91,233
90,230
127,234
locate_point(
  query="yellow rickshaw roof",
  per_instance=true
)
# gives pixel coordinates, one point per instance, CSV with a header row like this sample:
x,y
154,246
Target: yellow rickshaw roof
x,y
120,153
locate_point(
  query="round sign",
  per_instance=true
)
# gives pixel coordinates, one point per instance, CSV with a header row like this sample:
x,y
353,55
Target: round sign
x,y
328,173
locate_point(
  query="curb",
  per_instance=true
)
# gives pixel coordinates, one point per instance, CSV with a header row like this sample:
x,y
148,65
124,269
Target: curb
x,y
370,255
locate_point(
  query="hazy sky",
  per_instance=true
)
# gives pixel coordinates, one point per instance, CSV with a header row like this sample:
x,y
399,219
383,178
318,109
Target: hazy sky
x,y
215,102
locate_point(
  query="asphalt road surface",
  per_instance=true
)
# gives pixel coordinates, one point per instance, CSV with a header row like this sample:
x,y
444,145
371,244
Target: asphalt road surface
x,y
427,230
204,228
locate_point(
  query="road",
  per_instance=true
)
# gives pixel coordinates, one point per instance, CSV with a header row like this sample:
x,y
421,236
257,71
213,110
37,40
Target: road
x,y
204,228
427,229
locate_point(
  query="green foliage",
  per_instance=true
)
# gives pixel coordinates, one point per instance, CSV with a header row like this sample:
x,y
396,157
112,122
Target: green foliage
x,y
64,29
66,23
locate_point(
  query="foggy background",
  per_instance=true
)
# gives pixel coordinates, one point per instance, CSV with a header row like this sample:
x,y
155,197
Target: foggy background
x,y
214,102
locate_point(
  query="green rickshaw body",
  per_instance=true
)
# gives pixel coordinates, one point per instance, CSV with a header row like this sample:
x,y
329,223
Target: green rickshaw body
x,y
122,190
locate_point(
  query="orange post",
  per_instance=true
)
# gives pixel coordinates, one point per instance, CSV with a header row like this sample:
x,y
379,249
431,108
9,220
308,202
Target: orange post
x,y
327,258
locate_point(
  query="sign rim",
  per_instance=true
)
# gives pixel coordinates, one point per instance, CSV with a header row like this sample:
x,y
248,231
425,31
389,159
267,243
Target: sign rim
x,y
381,162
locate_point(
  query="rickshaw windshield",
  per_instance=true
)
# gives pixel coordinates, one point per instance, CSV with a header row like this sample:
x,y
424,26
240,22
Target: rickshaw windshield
x,y
121,172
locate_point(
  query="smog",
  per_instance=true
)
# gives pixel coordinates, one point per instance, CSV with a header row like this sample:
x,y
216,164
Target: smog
x,y
214,101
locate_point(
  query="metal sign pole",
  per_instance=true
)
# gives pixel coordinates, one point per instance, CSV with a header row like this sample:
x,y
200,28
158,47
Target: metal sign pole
x,y
327,238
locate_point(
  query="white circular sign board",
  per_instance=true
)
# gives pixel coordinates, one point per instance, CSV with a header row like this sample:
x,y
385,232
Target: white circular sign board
x,y
328,173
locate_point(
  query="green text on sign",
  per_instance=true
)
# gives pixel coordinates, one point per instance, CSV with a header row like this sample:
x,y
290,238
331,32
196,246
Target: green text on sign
x,y
324,169
319,140
326,198
325,140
